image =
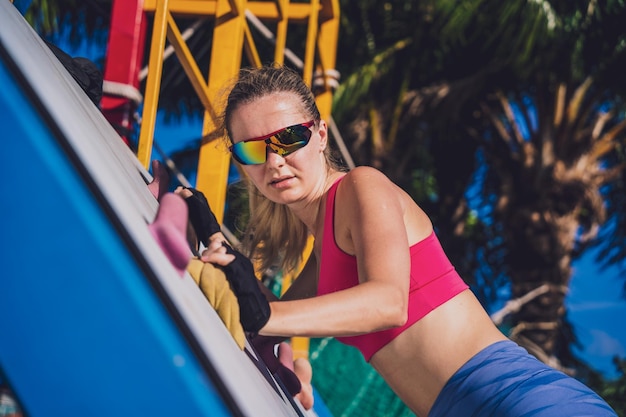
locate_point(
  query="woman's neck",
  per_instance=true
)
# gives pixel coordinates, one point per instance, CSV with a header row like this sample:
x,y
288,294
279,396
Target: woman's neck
x,y
312,212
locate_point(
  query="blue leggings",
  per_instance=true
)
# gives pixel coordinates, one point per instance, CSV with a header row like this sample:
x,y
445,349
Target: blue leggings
x,y
505,380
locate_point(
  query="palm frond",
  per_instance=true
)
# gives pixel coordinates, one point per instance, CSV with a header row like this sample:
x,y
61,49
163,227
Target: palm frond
x,y
358,84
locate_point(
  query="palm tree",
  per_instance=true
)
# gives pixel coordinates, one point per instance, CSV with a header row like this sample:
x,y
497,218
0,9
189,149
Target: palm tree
x,y
77,20
510,117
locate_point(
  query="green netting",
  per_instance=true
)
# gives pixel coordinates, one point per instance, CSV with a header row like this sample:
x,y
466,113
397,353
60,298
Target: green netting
x,y
348,385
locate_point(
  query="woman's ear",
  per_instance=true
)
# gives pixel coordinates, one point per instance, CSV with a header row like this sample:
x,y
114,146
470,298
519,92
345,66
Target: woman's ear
x,y
322,129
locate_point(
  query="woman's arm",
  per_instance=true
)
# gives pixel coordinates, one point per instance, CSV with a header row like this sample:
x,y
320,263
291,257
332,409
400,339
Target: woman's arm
x,y
303,287
369,215
372,225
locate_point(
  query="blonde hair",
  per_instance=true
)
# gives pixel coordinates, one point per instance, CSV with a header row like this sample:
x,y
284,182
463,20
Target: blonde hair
x,y
274,236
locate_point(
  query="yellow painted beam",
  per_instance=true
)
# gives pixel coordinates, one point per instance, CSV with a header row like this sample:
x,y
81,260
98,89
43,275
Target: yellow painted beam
x,y
311,40
153,83
295,12
214,160
327,40
188,63
281,31
265,10
250,47
185,7
281,6
299,345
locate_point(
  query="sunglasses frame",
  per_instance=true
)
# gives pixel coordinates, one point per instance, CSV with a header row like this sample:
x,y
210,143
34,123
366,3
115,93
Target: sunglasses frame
x,y
267,139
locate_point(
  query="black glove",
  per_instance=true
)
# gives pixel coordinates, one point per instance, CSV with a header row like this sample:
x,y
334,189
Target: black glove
x,y
254,309
201,217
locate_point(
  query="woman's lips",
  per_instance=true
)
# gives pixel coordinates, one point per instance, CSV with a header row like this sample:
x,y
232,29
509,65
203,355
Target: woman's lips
x,y
281,182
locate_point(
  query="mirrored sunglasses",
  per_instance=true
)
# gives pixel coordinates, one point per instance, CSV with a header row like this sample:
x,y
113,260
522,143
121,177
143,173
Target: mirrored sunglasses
x,y
283,142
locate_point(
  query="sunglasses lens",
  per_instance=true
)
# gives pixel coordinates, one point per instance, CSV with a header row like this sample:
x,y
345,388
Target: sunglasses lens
x,y
290,139
284,150
283,142
293,134
250,153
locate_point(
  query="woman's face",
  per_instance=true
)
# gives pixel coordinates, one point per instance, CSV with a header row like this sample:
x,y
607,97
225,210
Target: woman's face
x,y
286,179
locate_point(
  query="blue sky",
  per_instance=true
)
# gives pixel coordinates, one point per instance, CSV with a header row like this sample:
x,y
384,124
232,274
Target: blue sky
x,y
597,309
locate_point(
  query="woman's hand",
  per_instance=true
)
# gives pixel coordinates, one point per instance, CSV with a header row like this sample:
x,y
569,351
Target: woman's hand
x,y
303,369
216,254
183,192
254,308
201,216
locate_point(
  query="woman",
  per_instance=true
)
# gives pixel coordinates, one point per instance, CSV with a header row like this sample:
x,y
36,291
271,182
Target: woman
x,y
378,278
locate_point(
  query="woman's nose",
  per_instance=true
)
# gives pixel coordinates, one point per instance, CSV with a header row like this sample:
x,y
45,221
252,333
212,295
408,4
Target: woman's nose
x,y
273,158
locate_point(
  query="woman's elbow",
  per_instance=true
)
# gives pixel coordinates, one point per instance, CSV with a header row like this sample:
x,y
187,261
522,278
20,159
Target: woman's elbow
x,y
397,312
399,317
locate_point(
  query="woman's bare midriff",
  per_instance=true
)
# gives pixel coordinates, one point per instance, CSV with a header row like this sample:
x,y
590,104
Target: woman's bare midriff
x,y
419,362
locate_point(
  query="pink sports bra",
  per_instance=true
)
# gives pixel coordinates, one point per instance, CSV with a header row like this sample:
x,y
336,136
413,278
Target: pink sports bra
x,y
433,280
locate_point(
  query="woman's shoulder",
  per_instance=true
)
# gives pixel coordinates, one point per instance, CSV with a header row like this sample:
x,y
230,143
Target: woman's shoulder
x,y
366,187
365,178
364,170
364,181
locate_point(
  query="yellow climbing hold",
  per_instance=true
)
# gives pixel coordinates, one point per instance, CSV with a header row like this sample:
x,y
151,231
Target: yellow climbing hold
x,y
216,289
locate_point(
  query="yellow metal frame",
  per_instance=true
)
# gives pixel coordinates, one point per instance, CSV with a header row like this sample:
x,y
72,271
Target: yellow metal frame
x,y
232,37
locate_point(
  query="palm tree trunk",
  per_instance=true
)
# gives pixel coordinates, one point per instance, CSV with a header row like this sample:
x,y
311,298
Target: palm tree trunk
x,y
540,252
